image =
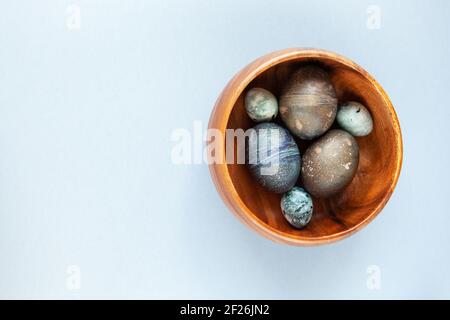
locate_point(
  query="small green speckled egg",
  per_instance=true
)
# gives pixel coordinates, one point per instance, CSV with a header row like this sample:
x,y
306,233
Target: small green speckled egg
x,y
297,207
354,118
261,105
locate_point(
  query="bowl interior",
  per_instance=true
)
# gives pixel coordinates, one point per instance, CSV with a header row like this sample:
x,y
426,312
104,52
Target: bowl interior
x,y
374,180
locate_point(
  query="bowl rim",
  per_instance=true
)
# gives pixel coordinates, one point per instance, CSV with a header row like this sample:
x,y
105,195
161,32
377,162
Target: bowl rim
x,y
219,120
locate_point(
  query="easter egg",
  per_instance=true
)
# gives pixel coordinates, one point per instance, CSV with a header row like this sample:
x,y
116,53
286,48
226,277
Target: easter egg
x,y
308,102
330,163
354,118
261,105
297,207
273,157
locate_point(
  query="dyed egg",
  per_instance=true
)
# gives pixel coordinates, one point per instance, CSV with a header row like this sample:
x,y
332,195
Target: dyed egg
x,y
273,157
355,118
308,103
261,105
330,163
297,207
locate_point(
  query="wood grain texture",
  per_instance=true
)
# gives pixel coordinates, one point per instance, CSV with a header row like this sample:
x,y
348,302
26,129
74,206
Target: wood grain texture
x,y
380,152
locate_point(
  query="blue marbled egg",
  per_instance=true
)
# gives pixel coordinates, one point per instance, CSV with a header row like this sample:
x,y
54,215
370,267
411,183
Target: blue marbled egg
x,y
354,118
261,105
297,207
273,157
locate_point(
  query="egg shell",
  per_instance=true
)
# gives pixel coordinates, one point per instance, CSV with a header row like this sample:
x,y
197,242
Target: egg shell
x,y
308,102
330,163
355,118
261,105
273,157
297,207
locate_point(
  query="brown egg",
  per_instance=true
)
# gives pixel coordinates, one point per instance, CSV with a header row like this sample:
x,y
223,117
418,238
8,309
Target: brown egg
x,y
308,102
330,163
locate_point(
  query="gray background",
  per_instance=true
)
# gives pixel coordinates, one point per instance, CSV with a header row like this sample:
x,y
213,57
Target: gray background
x,y
86,176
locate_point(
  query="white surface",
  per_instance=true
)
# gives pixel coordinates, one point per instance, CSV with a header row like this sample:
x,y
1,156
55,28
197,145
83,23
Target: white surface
x,y
86,177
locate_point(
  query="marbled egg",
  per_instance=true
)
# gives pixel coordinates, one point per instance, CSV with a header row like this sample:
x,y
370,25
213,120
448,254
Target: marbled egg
x,y
308,102
355,118
261,105
297,207
273,157
330,163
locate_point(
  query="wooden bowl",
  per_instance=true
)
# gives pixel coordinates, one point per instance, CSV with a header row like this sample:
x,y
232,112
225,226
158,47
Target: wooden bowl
x,y
380,152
